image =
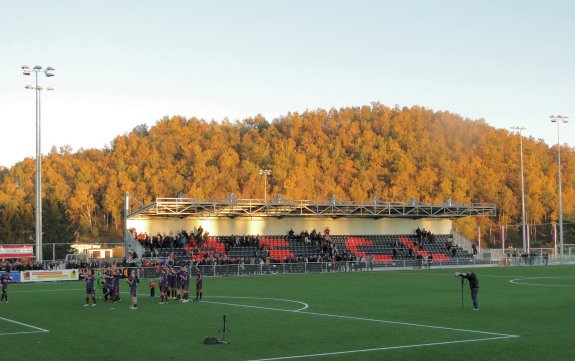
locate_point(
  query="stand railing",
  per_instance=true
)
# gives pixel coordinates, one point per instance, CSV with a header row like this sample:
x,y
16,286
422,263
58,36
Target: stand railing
x,y
316,267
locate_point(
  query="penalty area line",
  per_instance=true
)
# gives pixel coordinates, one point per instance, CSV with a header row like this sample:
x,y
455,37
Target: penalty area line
x,y
384,348
407,324
36,329
494,335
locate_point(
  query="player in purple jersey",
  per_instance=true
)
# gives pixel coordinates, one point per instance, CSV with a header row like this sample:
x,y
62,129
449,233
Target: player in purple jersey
x,y
199,281
179,285
172,278
168,281
108,280
4,280
117,275
164,287
89,279
133,282
185,284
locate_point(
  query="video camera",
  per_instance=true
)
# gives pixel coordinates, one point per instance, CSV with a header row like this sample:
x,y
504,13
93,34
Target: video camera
x,y
459,274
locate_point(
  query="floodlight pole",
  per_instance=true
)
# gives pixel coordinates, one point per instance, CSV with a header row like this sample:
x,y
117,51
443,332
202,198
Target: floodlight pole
x,y
38,213
126,211
523,228
265,172
559,119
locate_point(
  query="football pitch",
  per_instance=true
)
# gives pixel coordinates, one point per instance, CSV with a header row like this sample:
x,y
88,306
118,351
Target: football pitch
x,y
526,313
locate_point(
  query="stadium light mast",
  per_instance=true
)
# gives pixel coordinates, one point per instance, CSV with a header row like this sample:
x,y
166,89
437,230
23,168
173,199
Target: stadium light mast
x,y
523,228
265,172
559,119
38,89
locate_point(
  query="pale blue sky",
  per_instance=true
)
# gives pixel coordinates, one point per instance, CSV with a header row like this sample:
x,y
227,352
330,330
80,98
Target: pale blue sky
x,y
123,63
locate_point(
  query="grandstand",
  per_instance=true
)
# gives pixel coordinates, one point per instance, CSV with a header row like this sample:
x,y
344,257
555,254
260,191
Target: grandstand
x,y
249,231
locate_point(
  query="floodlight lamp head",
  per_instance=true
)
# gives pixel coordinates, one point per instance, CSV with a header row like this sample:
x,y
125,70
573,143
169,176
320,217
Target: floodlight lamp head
x,y
29,87
48,74
50,68
49,88
26,69
37,67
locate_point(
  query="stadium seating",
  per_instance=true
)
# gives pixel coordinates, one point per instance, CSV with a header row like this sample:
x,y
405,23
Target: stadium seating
x,y
382,249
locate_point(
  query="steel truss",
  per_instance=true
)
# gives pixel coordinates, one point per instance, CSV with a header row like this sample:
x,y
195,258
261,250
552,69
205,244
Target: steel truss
x,y
234,208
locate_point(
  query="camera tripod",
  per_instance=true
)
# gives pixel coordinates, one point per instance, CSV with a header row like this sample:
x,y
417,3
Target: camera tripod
x,y
225,329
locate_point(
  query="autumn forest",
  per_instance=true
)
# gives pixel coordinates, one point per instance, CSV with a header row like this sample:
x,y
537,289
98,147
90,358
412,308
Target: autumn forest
x,y
353,153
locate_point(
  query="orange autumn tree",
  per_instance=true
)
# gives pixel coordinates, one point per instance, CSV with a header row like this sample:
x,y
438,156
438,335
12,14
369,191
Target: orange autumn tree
x,y
353,153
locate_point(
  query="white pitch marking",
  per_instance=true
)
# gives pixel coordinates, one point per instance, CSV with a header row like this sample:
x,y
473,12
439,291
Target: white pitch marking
x,y
518,281
56,290
38,329
20,333
383,348
305,305
499,335
410,324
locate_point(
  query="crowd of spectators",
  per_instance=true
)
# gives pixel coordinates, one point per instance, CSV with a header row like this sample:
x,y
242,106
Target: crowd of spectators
x,y
154,243
191,246
196,245
325,249
20,265
314,237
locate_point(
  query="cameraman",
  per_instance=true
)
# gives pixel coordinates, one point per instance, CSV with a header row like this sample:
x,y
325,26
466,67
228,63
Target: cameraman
x,y
473,286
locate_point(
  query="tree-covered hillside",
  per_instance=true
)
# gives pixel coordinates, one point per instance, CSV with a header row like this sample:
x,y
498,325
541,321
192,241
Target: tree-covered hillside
x,y
353,153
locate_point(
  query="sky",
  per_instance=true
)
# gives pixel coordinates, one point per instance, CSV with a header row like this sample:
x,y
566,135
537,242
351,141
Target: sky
x,y
120,64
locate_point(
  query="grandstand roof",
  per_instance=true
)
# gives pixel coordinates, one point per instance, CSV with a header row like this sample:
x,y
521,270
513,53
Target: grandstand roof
x,y
234,208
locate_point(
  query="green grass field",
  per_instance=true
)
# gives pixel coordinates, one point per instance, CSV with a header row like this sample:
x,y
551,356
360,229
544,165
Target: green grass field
x,y
526,314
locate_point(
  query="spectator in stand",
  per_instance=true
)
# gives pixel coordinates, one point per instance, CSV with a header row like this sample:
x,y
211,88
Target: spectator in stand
x,y
419,262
